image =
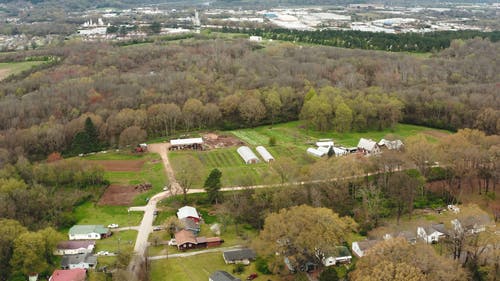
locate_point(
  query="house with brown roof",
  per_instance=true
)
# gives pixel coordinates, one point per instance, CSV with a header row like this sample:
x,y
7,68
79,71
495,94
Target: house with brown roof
x,y
74,247
186,240
77,274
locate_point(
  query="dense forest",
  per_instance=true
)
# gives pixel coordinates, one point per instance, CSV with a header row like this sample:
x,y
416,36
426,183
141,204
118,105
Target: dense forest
x,y
204,83
404,42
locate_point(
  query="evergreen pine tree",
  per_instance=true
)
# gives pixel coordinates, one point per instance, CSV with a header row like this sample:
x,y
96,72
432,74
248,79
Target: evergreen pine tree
x,y
212,185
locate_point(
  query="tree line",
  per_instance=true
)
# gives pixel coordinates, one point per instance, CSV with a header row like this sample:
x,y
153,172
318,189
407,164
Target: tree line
x,y
403,42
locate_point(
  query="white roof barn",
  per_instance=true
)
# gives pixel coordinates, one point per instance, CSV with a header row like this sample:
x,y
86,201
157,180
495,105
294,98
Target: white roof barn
x,y
368,146
191,141
339,151
264,153
188,212
247,154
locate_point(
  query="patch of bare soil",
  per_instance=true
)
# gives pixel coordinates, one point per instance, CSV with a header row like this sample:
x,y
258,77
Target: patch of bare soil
x,y
117,195
120,165
213,140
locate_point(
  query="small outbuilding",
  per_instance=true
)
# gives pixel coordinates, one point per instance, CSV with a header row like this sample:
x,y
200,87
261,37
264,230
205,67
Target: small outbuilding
x,y
360,247
264,154
338,256
324,143
247,154
391,145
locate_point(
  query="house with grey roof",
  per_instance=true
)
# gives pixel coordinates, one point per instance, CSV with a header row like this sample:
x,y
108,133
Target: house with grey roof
x,y
84,261
368,146
432,233
221,275
239,256
88,232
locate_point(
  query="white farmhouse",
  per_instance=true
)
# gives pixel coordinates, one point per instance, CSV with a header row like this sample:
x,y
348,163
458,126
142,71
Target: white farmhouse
x,y
88,232
360,247
84,261
431,234
74,247
368,146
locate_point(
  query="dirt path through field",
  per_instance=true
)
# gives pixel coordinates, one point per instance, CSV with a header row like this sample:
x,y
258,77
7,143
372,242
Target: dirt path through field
x,y
162,149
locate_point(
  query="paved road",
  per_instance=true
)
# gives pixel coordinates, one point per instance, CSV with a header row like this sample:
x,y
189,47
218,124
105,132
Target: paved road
x,y
194,253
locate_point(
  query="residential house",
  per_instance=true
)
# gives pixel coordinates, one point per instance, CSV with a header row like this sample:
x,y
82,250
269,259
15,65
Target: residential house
x,y
432,233
410,237
243,256
86,232
340,255
77,274
74,247
220,275
368,146
186,240
360,247
471,224
188,212
84,261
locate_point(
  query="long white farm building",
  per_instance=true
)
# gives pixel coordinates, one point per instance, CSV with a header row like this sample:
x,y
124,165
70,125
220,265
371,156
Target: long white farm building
x,y
247,154
264,154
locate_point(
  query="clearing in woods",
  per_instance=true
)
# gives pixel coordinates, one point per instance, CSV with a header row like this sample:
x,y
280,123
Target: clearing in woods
x,y
9,68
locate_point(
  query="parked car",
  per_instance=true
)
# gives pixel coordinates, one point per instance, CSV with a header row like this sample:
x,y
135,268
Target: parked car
x,y
172,242
252,276
157,228
103,253
113,225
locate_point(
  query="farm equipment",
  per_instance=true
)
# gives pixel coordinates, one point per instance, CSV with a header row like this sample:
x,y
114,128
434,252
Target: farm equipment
x,y
143,147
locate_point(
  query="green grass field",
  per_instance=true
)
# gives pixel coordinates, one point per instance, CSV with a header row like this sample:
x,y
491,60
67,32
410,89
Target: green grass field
x,y
198,268
9,68
123,240
88,213
292,141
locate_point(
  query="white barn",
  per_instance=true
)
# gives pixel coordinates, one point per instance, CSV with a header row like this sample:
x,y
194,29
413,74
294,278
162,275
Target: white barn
x,y
264,154
431,234
324,143
368,146
247,154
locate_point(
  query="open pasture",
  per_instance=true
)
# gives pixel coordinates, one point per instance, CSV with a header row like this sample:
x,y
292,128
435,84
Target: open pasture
x,y
10,68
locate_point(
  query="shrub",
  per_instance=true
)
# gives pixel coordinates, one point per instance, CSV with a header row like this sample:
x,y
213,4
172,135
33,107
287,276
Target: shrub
x,y
261,266
272,141
238,268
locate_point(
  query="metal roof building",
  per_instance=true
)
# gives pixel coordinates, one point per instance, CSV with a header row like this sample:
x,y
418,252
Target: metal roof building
x,y
247,154
264,154
191,141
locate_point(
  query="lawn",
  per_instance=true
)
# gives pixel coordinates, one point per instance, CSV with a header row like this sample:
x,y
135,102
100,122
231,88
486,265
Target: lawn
x,y
88,213
198,268
118,241
292,141
9,68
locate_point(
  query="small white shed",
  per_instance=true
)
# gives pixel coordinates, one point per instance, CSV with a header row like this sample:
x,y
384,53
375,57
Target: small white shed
x,y
264,154
247,154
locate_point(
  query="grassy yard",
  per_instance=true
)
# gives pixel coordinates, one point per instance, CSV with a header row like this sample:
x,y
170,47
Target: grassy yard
x,y
198,268
88,213
9,68
118,241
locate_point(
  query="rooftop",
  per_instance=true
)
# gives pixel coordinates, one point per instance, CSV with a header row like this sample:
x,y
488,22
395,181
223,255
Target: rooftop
x,y
76,274
241,254
84,229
